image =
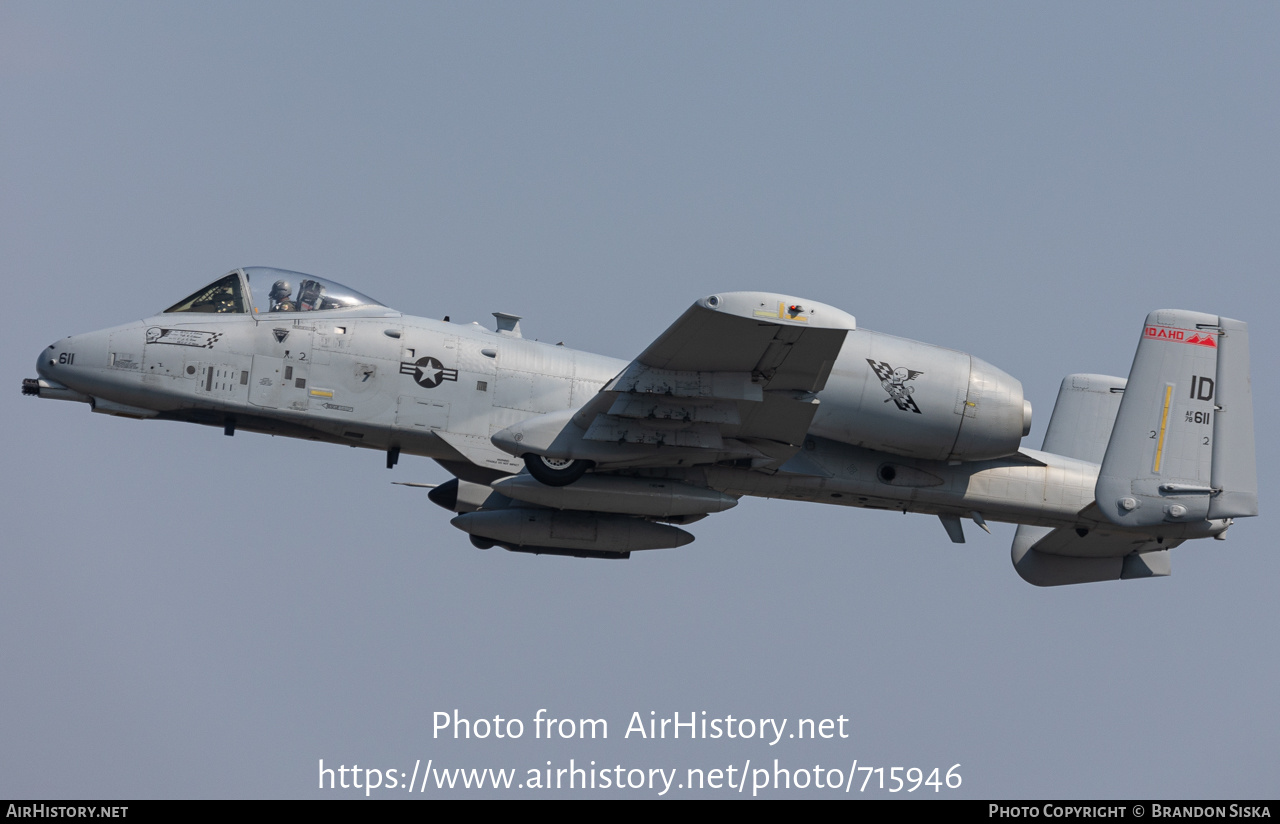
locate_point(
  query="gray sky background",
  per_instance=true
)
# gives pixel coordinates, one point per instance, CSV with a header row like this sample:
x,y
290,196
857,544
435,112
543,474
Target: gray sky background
x,y
188,615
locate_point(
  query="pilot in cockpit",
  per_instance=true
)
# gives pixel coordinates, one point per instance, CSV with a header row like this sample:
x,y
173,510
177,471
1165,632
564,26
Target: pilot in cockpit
x,y
280,297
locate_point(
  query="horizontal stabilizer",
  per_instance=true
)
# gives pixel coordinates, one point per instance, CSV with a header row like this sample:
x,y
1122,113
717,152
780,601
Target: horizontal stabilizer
x,y
1055,557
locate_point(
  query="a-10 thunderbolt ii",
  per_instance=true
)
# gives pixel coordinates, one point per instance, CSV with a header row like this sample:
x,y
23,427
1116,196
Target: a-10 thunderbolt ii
x,y
747,393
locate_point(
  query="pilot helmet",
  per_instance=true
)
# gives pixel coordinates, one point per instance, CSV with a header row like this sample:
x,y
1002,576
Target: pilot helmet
x,y
281,290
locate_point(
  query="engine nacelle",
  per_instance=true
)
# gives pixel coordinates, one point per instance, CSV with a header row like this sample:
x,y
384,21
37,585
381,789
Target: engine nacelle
x,y
909,398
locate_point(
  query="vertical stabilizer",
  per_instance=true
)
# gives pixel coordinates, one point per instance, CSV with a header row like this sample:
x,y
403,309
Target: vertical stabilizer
x,y
1164,461
1083,416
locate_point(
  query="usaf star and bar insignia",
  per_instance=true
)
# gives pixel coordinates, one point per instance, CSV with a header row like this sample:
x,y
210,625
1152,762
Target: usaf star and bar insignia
x,y
428,372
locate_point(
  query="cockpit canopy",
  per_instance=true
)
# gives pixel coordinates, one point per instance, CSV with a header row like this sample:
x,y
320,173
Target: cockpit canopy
x,y
263,290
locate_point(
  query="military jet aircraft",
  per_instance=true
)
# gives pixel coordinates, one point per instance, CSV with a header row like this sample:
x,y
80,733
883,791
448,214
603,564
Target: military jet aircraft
x,y
747,393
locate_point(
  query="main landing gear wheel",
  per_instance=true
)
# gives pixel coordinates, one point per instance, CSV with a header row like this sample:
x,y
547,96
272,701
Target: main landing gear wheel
x,y
556,471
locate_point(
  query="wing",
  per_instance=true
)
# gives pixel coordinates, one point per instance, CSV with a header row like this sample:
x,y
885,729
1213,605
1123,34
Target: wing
x,y
734,378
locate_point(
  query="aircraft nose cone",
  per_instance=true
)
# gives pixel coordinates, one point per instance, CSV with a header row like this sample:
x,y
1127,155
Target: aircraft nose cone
x,y
75,358
52,366
47,361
